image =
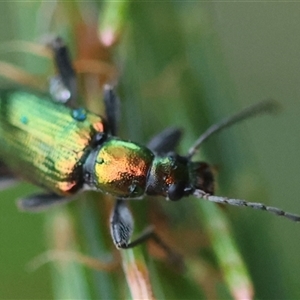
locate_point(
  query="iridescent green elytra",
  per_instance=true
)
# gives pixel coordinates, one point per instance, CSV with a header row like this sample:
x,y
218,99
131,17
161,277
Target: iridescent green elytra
x,y
42,142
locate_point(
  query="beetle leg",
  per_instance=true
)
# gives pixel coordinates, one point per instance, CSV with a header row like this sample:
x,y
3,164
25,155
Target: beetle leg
x,y
112,106
39,202
121,224
166,141
122,227
7,179
63,87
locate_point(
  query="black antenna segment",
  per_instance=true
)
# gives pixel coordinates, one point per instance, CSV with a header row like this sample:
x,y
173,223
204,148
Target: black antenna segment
x,y
266,106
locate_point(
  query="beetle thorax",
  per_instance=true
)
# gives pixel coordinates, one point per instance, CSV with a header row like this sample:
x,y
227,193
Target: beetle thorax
x,y
168,177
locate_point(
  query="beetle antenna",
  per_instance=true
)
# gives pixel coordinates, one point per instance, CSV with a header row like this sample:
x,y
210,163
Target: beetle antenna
x,y
267,106
255,205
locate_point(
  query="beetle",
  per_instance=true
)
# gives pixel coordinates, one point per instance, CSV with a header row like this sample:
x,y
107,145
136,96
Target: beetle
x,y
64,149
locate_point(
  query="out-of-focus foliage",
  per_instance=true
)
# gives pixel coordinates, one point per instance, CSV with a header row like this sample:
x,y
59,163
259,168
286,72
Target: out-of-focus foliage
x,y
184,64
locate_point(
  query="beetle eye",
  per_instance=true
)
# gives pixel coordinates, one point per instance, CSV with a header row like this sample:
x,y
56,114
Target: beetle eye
x,y
176,190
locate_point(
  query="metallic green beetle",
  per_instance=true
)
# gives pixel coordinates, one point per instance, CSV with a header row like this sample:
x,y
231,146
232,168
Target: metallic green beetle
x,y
56,148
67,150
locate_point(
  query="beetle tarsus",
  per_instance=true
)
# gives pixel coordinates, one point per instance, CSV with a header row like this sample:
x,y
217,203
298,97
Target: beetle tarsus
x,y
40,202
7,179
122,228
121,224
165,141
112,108
66,73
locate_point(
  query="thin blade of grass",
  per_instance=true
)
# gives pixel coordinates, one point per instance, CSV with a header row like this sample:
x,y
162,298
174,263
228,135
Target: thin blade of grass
x,y
137,274
68,276
233,268
112,21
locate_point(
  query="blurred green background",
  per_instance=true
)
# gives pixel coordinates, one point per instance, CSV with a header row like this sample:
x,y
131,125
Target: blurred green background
x,y
190,64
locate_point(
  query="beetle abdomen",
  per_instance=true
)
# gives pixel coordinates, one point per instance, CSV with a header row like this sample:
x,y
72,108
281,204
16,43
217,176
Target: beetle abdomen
x,y
43,141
